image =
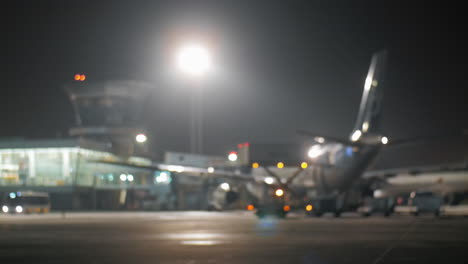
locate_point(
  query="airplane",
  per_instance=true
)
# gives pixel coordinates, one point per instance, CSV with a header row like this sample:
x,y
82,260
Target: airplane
x,y
450,182
221,187
337,163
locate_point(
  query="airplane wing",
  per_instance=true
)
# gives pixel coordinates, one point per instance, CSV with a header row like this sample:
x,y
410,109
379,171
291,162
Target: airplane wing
x,y
413,170
188,170
327,139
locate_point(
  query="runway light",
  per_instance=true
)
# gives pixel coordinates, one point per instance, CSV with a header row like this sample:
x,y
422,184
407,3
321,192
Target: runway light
x,y
279,192
356,135
123,177
5,209
232,156
225,186
194,60
309,208
280,165
315,151
304,165
250,207
19,209
141,138
255,165
210,169
130,178
384,140
269,180
286,208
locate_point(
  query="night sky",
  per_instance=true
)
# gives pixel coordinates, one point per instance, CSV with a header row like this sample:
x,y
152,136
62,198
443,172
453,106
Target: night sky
x,y
279,66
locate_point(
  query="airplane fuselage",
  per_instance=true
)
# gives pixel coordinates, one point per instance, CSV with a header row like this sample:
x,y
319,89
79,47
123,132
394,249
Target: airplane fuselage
x,y
344,165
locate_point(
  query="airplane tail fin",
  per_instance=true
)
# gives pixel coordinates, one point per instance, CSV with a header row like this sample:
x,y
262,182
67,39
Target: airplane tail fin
x,y
370,109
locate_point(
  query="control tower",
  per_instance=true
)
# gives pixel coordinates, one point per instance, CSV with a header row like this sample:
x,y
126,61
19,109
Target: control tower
x,y
111,112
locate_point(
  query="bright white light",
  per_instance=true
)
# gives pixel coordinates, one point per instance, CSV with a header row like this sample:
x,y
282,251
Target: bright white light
x,y
123,177
368,83
163,177
175,168
194,60
19,209
130,177
5,209
269,180
356,135
384,140
365,126
210,169
232,156
378,193
315,151
279,192
12,195
225,186
320,140
141,138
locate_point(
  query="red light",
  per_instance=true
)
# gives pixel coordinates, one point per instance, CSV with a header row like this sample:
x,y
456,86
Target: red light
x,y
77,77
239,145
246,144
82,77
400,201
232,152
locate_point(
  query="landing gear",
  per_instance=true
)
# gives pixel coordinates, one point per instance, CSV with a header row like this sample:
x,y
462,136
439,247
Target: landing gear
x,y
366,214
328,205
270,210
318,214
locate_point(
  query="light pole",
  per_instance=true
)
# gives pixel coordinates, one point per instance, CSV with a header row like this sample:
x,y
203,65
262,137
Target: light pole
x,y
195,61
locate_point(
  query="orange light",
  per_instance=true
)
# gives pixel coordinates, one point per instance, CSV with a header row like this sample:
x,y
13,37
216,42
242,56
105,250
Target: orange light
x,y
255,165
280,165
286,208
304,165
77,77
250,207
309,208
279,192
82,77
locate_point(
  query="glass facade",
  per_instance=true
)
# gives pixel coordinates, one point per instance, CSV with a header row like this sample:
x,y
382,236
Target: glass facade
x,y
68,166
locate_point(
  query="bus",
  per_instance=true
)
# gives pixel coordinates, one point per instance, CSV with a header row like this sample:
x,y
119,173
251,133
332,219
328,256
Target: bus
x,y
26,202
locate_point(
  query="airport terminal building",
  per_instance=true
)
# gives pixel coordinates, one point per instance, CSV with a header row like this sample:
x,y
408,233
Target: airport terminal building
x,y
77,173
